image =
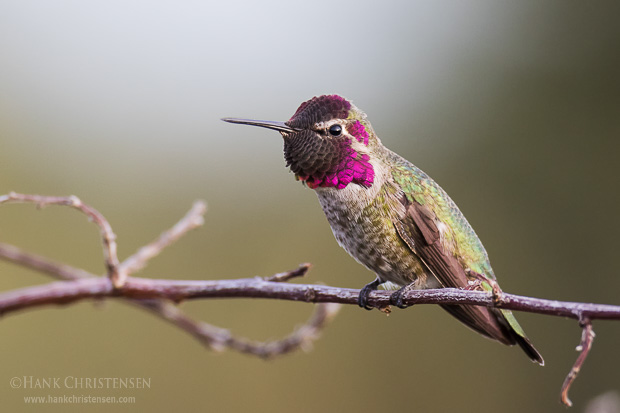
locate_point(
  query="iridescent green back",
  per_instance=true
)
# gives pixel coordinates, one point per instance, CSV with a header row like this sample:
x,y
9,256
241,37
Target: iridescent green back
x,y
418,186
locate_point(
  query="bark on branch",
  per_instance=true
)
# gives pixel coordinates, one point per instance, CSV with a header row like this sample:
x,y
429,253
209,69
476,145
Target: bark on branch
x,y
180,290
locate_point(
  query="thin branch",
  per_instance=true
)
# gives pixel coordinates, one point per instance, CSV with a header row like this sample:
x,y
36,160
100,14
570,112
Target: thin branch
x,y
302,338
587,337
107,235
193,219
180,290
39,263
220,339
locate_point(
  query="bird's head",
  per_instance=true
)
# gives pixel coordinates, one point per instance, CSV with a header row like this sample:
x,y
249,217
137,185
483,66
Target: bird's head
x,y
327,142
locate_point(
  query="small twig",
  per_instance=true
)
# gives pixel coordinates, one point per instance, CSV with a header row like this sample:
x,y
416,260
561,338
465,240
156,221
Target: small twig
x,y
45,265
107,235
285,276
220,339
300,338
587,337
193,219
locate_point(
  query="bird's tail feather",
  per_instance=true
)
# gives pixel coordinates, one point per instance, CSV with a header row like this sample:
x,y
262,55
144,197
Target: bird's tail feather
x,y
495,324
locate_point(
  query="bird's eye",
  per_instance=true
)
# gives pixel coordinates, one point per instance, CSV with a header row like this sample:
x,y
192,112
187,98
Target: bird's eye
x,y
335,130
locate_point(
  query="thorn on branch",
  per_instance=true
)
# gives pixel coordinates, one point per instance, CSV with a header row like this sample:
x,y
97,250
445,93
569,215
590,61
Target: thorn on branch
x,y
587,337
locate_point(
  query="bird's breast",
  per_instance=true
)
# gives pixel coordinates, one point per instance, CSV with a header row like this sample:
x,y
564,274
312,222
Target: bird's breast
x,y
364,226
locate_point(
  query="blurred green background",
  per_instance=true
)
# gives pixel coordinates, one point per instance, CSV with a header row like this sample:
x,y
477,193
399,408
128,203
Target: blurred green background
x,y
513,107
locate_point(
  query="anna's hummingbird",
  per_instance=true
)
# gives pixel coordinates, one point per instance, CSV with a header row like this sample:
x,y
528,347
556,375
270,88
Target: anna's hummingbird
x,y
388,214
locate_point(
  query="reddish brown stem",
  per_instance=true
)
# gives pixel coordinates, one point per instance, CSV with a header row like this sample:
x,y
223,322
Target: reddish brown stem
x,y
587,337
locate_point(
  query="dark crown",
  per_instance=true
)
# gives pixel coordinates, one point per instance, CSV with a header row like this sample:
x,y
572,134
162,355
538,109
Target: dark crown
x,y
320,109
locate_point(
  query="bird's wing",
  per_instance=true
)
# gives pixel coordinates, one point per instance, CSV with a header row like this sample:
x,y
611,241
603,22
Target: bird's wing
x,y
427,209
419,230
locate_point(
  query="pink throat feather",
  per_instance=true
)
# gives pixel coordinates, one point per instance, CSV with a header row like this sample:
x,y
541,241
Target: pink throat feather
x,y
354,168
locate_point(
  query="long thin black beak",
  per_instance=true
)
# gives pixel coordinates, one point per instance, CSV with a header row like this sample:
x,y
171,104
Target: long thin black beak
x,y
269,124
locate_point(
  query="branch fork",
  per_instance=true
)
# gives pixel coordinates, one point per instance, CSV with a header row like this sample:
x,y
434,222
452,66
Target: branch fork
x,y
85,285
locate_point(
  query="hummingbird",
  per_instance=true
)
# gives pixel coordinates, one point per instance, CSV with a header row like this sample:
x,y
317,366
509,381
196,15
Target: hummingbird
x,y
388,214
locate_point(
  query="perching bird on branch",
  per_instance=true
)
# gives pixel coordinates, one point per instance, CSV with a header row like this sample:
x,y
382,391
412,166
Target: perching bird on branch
x,y
388,214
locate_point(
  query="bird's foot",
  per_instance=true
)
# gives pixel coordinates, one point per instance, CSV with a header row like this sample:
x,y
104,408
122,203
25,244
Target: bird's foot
x,y
479,279
397,298
474,285
362,299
